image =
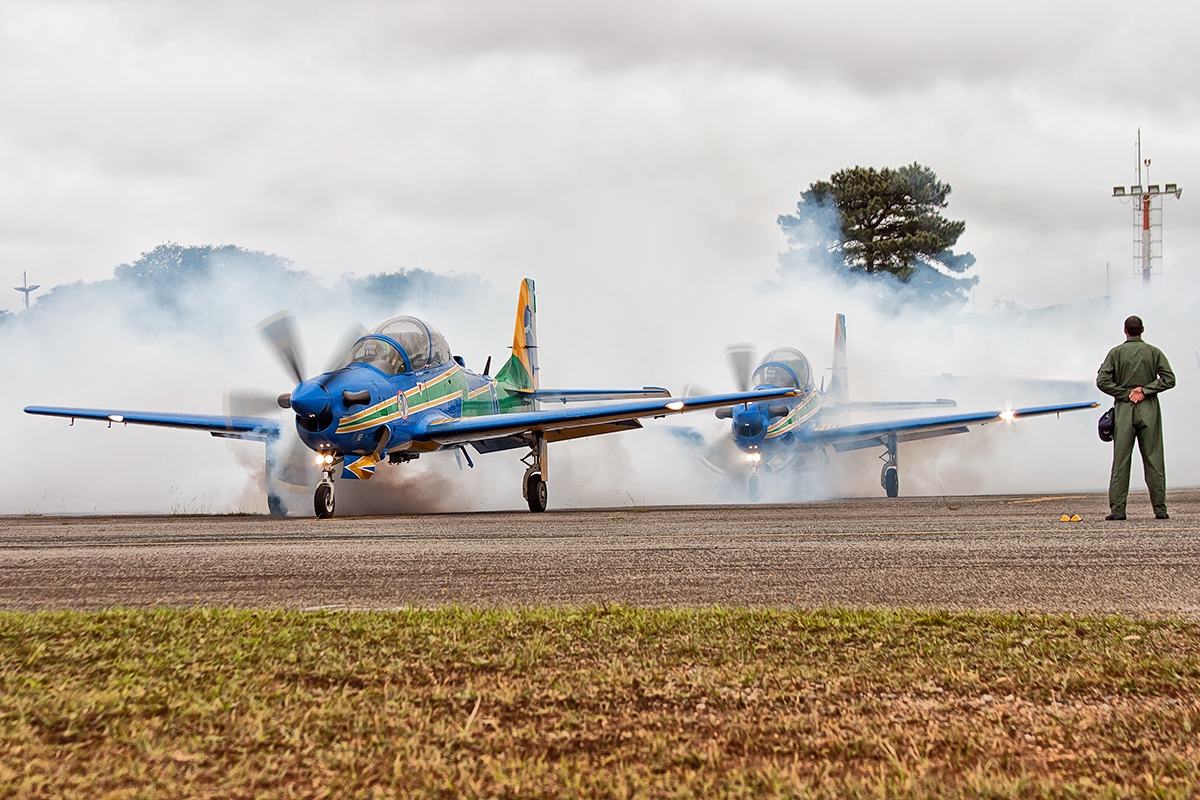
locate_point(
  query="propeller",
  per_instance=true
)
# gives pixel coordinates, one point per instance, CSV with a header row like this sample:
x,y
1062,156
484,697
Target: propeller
x,y
740,358
249,403
280,333
339,357
291,462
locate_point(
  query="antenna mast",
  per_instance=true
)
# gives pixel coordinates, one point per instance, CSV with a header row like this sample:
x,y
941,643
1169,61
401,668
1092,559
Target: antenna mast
x,y
1147,215
26,288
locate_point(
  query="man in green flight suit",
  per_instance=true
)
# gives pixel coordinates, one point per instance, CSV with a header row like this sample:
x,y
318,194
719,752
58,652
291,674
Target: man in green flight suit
x,y
1134,373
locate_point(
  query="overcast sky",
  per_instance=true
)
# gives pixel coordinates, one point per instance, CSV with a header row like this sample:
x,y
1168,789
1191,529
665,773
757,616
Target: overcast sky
x,y
632,157
586,145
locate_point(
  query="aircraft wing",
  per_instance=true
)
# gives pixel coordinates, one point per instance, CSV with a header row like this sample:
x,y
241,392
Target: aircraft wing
x,y
567,423
900,405
871,434
256,428
590,395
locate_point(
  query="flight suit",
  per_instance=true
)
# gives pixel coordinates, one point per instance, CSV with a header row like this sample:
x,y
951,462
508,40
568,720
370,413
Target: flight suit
x,y
1128,365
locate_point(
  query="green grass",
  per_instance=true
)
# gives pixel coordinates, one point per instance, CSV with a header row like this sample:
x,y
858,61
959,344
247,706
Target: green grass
x,y
603,702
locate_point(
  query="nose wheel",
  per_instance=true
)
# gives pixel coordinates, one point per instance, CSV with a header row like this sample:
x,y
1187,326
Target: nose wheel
x,y
754,487
323,500
323,497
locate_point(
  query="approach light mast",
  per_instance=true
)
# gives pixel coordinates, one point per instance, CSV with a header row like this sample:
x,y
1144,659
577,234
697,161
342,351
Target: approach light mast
x,y
26,288
1147,215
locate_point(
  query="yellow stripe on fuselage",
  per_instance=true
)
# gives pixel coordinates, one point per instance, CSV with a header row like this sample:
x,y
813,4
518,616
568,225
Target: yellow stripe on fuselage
x,y
803,412
366,419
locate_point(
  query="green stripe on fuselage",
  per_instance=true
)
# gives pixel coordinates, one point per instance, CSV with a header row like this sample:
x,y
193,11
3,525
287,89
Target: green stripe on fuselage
x,y
802,412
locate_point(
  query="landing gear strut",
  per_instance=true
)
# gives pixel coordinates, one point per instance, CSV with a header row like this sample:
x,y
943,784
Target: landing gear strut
x,y
889,476
533,486
323,498
754,486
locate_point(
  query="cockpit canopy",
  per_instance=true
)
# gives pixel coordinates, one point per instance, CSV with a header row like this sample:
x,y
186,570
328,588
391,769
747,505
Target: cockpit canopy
x,y
785,368
423,345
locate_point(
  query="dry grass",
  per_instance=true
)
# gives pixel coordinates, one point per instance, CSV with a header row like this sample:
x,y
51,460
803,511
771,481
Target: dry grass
x,y
602,702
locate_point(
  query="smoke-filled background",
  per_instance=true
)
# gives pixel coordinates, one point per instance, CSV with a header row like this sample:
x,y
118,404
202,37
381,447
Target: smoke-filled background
x,y
373,159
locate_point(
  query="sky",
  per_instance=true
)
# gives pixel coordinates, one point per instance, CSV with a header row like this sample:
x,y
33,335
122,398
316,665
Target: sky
x,y
582,143
631,157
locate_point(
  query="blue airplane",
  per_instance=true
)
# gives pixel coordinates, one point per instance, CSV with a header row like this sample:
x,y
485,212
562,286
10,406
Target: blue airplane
x,y
400,392
770,433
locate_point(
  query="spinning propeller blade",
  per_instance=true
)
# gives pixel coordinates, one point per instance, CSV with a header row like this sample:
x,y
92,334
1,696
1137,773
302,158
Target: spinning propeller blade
x,y
741,361
294,465
340,356
249,403
280,333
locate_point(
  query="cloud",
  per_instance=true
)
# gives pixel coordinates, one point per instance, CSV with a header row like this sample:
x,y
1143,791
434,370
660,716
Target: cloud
x,y
631,157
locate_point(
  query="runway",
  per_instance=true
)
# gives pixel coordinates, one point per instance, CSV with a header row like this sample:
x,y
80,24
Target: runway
x,y
1009,553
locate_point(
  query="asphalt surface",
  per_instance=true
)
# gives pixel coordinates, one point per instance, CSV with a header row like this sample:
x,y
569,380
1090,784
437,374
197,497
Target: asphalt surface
x,y
1008,553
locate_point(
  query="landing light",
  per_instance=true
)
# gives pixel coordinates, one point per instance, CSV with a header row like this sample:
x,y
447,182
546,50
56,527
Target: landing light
x,y
1007,415
754,458
328,458
675,406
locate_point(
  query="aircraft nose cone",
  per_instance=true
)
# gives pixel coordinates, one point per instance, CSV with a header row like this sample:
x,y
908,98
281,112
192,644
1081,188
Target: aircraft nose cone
x,y
310,400
748,422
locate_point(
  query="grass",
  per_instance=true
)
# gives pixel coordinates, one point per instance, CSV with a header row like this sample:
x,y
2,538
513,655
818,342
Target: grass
x,y
609,702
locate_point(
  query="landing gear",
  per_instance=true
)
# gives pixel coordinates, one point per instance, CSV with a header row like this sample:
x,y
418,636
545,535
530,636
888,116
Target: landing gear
x,y
889,476
323,500
533,485
276,506
535,493
754,487
323,497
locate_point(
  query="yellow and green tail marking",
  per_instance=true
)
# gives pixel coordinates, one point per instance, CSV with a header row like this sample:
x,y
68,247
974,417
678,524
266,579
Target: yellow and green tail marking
x,y
521,369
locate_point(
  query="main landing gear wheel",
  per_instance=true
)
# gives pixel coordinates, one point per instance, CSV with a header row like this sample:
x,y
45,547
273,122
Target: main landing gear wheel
x,y
891,481
534,487
276,506
753,488
323,500
889,476
535,492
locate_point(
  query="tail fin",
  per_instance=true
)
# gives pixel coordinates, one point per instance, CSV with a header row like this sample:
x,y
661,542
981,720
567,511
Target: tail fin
x,y
521,370
839,384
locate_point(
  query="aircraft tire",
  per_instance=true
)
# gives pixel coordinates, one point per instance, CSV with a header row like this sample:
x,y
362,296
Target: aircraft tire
x,y
891,481
276,506
323,500
753,488
536,493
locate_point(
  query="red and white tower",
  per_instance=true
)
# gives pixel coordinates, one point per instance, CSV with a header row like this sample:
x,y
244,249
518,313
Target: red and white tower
x,y
1147,215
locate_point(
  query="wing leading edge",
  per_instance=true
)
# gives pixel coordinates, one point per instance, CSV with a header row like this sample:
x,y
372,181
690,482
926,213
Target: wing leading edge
x,y
592,395
495,426
867,434
256,428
